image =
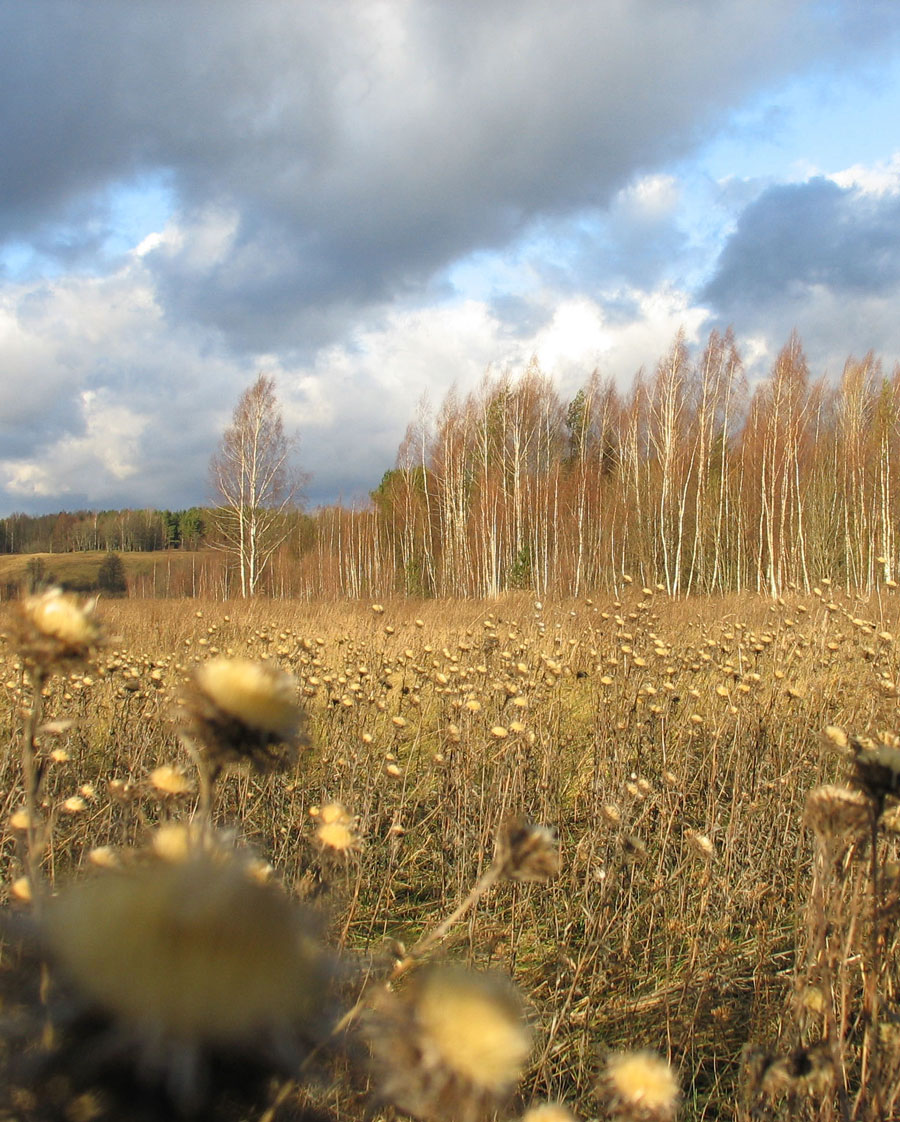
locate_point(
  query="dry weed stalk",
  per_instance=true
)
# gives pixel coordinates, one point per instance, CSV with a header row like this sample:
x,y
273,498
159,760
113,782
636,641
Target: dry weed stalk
x,y
52,632
845,1058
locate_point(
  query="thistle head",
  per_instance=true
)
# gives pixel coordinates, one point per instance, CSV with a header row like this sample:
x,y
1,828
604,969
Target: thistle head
x,y
640,1087
236,709
53,629
452,1046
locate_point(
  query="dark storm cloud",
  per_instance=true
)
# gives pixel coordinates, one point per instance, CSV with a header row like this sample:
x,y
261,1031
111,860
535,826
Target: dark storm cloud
x,y
360,147
330,166
803,236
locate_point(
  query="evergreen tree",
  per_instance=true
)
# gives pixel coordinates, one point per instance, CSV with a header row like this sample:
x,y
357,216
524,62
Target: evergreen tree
x,y
111,575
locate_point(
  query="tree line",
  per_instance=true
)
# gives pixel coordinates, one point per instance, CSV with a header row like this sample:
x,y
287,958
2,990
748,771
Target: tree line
x,y
689,477
123,531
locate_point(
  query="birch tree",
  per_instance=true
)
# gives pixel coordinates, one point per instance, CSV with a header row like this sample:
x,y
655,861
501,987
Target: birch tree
x,y
253,482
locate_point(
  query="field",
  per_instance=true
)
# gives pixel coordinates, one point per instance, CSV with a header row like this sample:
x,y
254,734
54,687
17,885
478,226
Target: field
x,y
160,573
671,745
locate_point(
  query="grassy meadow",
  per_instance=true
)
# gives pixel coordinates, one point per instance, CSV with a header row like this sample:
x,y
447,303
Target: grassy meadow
x,y
671,744
162,572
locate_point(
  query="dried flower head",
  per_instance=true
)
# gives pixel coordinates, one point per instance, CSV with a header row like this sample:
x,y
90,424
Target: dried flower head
x,y
176,965
876,765
168,780
527,852
452,1046
836,737
336,829
179,841
53,629
768,1076
236,709
701,844
548,1112
640,1086
834,812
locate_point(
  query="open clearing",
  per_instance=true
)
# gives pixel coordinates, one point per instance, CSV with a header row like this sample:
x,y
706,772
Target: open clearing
x,y
672,745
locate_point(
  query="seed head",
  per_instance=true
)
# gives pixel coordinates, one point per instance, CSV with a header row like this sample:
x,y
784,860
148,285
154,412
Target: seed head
x,y
336,829
527,852
836,737
548,1112
236,709
170,780
197,949
876,765
452,1047
701,844
769,1076
54,630
640,1087
834,812
185,962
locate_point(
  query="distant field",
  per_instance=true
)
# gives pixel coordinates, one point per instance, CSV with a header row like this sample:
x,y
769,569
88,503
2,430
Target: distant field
x,y
673,745
79,570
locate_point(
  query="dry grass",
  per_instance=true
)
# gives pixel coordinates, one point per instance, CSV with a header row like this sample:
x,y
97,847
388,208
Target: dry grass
x,y
80,569
671,744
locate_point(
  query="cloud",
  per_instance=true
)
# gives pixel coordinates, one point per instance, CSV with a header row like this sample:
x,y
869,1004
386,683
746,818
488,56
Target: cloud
x,y
822,256
107,451
358,148
373,200
103,397
880,180
800,236
145,403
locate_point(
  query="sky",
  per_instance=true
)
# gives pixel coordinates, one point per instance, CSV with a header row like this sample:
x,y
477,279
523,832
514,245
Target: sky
x,y
374,201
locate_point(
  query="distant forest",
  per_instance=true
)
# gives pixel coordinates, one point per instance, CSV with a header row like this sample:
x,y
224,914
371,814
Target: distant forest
x,y
107,530
690,478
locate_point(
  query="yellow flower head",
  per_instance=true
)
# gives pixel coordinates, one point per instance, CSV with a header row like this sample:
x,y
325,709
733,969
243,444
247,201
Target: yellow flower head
x,y
196,950
336,829
185,960
548,1112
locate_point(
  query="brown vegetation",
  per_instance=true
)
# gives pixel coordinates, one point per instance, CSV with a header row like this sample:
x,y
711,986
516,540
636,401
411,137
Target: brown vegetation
x,y
671,744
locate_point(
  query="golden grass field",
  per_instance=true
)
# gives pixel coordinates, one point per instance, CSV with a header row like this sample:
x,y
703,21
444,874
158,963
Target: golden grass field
x,y
79,569
671,744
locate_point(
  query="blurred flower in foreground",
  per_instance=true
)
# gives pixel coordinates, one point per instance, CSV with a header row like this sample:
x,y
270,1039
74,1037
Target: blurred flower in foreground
x,y
52,629
548,1112
837,813
640,1087
876,766
236,709
452,1046
769,1077
171,970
